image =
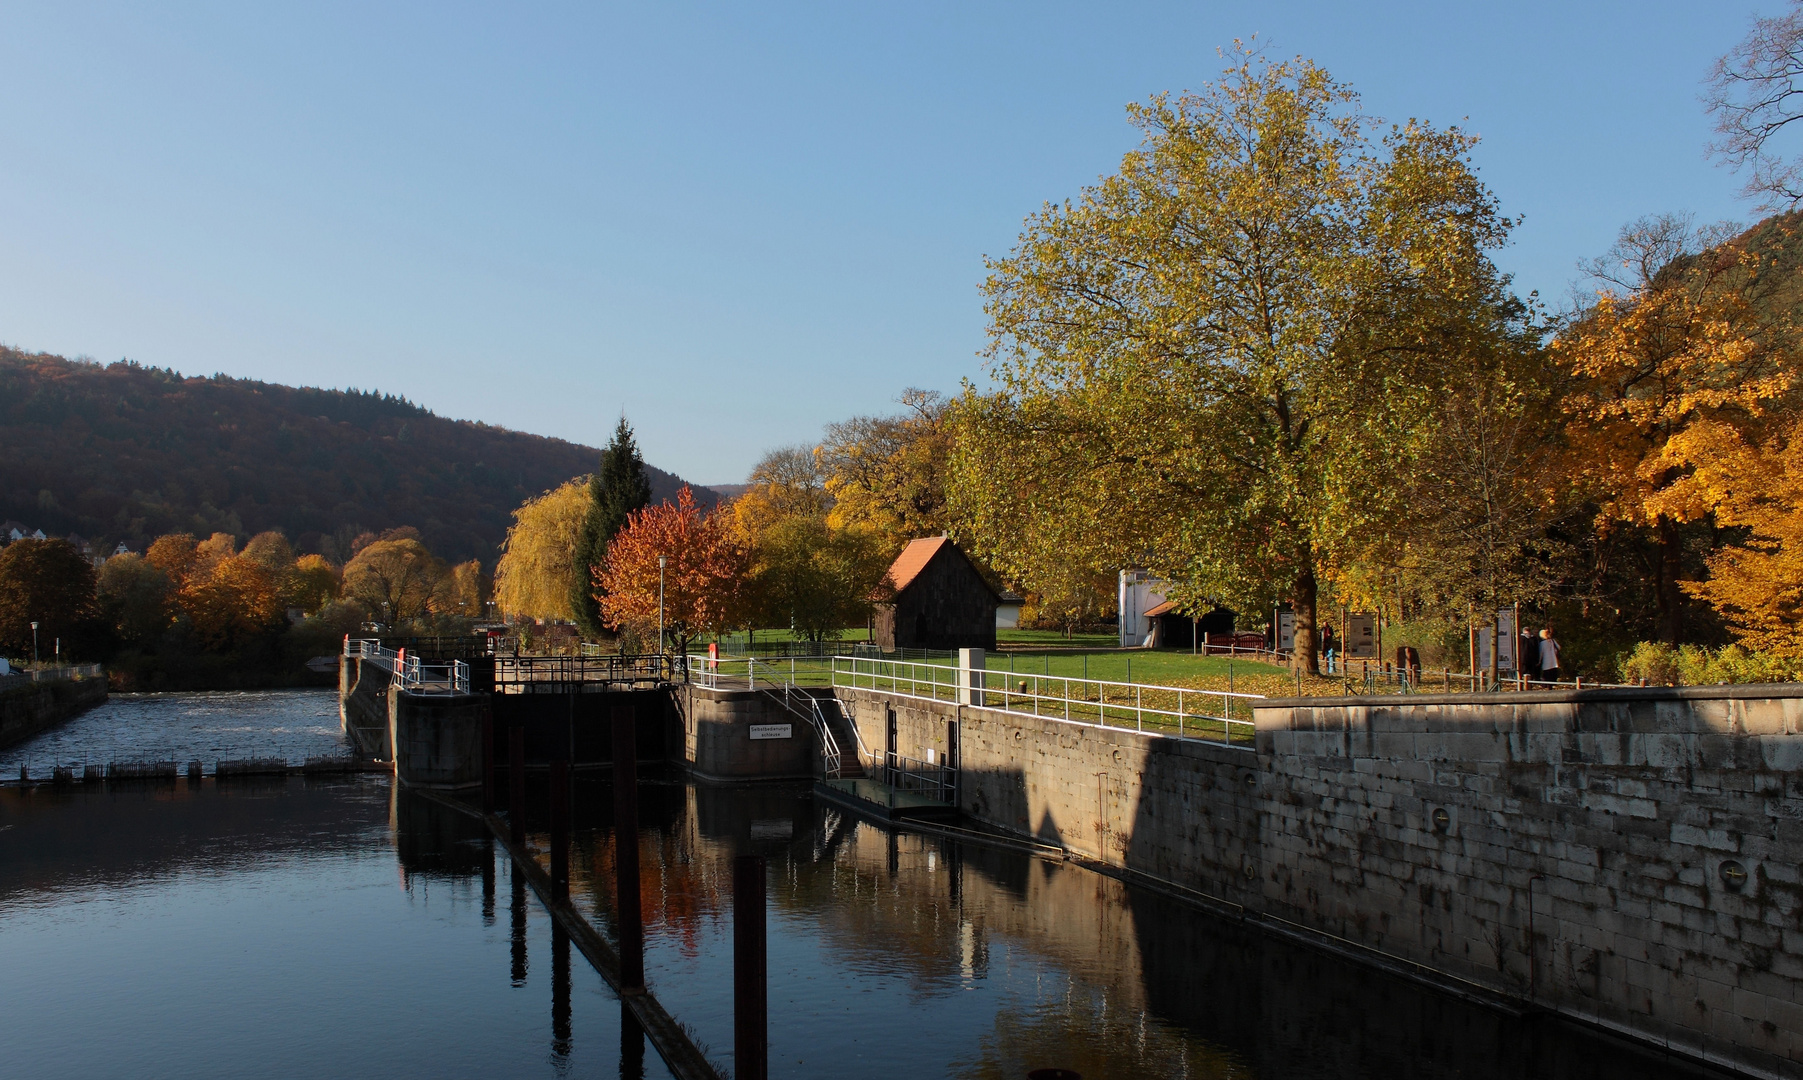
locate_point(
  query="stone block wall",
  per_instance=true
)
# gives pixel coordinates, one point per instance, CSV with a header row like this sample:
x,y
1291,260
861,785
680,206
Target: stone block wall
x,y
1650,837
1630,857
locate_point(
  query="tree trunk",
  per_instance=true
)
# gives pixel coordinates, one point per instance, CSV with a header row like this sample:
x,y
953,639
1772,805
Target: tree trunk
x,y
1671,568
1303,655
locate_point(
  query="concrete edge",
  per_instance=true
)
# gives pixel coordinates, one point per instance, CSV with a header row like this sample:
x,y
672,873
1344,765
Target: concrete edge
x,y
1739,691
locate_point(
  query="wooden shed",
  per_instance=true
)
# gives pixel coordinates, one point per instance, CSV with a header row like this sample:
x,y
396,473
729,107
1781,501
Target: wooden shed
x,y
939,600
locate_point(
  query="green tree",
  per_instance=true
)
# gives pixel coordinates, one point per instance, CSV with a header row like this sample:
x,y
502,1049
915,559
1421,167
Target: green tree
x,y
1210,363
52,584
618,487
813,578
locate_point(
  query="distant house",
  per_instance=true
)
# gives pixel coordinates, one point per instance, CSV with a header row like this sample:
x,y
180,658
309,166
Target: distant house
x,y
1140,592
1169,628
939,600
1007,611
17,530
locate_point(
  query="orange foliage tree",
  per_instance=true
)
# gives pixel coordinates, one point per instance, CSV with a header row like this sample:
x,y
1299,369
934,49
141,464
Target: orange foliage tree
x,y
1757,584
703,576
1679,345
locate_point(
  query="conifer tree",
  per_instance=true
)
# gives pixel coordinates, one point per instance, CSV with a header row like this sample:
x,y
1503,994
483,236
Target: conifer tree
x,y
618,487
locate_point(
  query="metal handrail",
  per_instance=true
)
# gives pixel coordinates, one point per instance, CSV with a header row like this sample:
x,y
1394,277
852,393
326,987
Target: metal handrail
x,y
831,761
418,677
1173,710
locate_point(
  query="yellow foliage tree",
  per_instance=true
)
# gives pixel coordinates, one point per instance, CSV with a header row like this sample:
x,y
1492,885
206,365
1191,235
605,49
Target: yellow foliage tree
x,y
398,578
887,473
1757,585
537,572
234,599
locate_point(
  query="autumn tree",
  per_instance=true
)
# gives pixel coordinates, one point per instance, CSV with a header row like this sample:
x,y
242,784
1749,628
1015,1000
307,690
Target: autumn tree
x,y
316,583
703,579
887,473
397,577
136,597
50,583
233,600
1673,340
617,489
174,555
814,578
785,483
538,572
1208,362
1753,484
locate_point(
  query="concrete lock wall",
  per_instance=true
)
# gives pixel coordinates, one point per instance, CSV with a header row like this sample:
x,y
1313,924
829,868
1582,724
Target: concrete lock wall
x,y
437,738
1659,833
717,736
363,706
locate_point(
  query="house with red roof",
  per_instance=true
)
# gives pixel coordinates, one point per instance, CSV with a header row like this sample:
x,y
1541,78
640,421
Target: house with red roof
x,y
934,598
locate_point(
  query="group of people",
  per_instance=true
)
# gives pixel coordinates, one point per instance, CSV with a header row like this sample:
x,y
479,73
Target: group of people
x,y
1538,657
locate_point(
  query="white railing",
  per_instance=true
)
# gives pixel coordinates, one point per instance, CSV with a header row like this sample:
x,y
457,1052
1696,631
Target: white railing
x,y
751,673
410,673
420,677
1169,711
370,649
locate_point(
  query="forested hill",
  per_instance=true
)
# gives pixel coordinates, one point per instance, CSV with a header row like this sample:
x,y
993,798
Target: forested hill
x,y
123,452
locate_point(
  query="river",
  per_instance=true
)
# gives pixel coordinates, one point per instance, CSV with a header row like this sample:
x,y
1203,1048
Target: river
x,y
336,927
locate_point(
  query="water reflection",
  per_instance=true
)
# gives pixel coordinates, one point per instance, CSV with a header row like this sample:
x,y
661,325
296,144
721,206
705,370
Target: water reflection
x,y
289,928
903,953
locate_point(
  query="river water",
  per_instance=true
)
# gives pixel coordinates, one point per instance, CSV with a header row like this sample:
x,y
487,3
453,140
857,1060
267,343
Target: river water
x,y
339,928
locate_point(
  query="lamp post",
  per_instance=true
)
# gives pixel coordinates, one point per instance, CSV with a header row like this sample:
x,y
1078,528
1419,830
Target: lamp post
x,y
34,641
660,605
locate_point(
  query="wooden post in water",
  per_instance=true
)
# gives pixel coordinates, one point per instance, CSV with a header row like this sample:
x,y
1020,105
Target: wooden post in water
x,y
750,992
626,851
560,830
516,783
488,763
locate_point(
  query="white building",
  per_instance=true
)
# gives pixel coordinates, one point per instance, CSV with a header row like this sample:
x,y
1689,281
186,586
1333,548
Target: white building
x,y
1140,592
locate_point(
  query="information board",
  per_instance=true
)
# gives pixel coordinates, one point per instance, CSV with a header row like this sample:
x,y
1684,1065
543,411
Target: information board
x,y
1361,636
772,731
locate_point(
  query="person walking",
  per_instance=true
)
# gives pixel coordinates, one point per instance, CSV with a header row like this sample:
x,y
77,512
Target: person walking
x,y
1549,656
1527,655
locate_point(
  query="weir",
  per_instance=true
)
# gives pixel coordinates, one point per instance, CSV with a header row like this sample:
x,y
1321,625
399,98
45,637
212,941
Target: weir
x,y
1628,858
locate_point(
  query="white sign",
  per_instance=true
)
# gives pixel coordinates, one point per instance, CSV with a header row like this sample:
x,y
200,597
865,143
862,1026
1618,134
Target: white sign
x,y
1286,631
1361,636
1504,629
772,731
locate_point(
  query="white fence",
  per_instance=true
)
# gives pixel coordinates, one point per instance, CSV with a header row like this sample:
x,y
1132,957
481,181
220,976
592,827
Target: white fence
x,y
1216,716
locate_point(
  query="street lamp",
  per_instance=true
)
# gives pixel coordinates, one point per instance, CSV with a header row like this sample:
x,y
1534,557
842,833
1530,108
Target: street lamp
x,y
660,605
34,641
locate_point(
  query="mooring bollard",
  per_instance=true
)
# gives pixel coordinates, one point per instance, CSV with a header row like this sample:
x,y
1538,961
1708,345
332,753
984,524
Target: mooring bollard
x,y
560,830
750,993
488,763
626,850
516,784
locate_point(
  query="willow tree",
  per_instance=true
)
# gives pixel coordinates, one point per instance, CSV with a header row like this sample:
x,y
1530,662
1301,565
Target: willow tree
x,y
1211,363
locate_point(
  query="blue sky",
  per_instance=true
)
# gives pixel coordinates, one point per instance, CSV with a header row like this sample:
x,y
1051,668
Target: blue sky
x,y
735,222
